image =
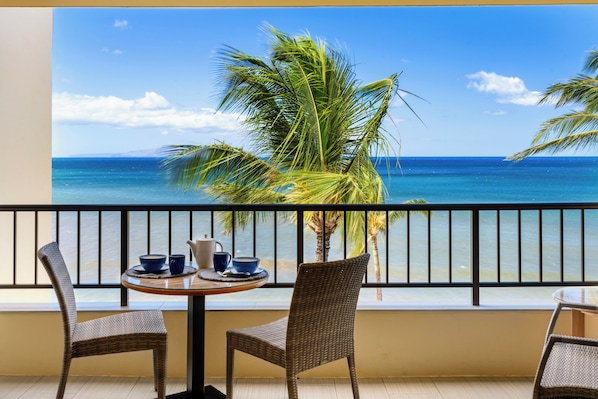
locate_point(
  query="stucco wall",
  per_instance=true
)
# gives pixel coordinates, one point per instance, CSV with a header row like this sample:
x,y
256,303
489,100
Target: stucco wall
x,y
474,342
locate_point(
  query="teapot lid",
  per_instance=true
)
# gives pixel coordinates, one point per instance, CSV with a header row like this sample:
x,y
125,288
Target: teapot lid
x,y
206,238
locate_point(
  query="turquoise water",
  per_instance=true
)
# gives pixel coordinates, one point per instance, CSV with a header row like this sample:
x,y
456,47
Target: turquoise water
x,y
437,180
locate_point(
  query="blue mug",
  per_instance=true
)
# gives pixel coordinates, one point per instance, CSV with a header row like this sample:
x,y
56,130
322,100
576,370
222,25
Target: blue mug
x,y
176,263
221,261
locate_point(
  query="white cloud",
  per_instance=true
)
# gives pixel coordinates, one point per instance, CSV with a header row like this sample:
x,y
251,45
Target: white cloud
x,y
115,51
508,90
121,23
152,110
496,113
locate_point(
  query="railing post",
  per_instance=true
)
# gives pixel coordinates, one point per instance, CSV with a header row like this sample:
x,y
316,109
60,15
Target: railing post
x,y
124,254
475,256
15,223
299,237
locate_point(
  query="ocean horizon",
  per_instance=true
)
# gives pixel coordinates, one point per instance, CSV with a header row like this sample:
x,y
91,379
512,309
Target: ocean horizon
x,y
133,180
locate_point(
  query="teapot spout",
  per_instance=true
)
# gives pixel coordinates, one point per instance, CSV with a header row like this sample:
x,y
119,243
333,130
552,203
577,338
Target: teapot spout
x,y
193,246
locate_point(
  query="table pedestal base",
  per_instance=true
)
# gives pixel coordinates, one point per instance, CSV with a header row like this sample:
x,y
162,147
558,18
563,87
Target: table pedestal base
x,y
196,354
209,393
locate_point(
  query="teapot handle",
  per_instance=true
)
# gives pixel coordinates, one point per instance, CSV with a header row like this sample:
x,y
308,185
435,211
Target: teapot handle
x,y
216,242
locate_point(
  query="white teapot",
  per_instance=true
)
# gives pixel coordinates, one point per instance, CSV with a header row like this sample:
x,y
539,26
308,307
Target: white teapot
x,y
203,251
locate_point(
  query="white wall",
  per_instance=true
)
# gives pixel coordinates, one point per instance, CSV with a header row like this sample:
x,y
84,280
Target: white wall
x,y
25,105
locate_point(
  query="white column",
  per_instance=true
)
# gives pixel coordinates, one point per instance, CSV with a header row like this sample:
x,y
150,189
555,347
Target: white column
x,y
25,140
25,105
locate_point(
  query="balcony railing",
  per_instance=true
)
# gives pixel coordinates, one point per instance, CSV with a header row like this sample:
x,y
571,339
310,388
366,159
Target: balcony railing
x,y
470,246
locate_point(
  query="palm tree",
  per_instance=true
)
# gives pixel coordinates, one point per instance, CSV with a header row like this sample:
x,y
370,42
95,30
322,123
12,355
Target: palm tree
x,y
312,126
577,129
377,222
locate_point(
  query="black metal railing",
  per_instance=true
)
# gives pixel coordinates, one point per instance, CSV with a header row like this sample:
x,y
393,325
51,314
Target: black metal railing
x,y
470,246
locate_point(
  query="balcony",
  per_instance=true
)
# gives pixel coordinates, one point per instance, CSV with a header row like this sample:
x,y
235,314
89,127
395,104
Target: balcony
x,y
450,334
461,284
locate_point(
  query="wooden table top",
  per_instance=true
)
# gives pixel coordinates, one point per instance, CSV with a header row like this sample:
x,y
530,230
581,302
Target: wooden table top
x,y
189,285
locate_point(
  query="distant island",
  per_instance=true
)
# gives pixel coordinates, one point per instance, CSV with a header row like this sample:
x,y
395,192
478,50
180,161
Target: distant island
x,y
151,153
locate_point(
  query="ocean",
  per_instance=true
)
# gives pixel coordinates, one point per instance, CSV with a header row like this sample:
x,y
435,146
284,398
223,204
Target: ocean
x,y
436,180
448,180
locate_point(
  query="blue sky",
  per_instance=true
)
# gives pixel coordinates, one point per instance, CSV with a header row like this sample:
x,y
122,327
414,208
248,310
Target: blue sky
x,y
131,80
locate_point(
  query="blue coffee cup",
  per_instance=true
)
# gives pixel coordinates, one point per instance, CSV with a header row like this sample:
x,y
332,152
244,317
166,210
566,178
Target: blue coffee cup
x,y
176,263
246,264
152,263
221,261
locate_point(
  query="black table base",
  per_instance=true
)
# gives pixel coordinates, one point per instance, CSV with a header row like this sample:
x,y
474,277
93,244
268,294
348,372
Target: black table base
x,y
209,393
196,320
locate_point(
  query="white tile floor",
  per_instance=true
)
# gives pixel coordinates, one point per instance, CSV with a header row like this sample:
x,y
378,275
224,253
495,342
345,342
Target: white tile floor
x,y
36,387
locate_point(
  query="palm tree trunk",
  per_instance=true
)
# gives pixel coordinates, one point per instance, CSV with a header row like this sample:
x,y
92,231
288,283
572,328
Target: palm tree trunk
x,y
376,258
323,235
322,250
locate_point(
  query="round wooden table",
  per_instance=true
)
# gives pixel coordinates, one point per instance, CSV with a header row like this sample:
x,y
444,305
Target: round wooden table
x,y
196,289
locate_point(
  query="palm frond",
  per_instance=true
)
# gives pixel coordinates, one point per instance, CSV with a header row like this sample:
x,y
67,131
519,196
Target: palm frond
x,y
591,64
579,141
575,130
233,193
574,122
582,90
332,188
195,166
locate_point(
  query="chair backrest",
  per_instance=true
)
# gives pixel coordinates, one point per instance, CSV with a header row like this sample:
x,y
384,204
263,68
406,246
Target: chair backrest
x,y
322,313
55,266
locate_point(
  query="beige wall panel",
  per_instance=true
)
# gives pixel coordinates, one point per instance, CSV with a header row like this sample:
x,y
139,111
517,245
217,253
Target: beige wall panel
x,y
389,343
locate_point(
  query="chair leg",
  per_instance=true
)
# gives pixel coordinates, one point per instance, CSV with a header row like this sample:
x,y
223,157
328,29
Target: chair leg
x,y
64,375
353,374
292,385
230,365
160,371
155,358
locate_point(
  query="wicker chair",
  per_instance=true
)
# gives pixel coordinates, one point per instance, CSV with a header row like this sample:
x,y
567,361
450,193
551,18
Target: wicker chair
x,y
568,369
125,332
318,329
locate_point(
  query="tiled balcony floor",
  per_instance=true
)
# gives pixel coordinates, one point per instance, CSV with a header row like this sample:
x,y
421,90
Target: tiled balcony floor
x,y
13,387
